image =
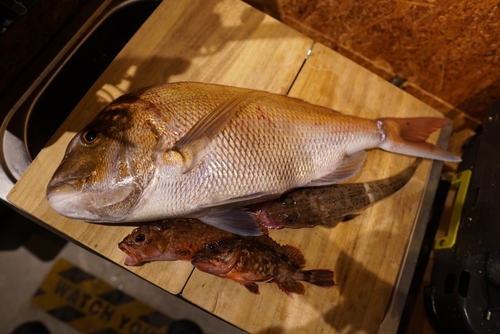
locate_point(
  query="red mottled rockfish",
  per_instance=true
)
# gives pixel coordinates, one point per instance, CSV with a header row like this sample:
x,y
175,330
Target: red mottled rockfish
x,y
251,260
168,240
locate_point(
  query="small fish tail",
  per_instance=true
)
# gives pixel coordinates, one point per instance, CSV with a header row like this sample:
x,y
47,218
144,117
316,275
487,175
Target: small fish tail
x,y
380,189
319,277
407,136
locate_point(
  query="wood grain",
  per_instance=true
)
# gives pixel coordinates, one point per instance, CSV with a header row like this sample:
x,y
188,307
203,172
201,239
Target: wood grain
x,y
365,253
228,42
224,42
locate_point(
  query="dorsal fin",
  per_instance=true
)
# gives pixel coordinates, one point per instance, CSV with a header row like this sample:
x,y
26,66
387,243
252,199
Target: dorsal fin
x,y
295,255
194,145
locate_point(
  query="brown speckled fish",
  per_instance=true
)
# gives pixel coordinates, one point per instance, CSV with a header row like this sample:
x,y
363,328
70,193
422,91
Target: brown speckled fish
x,y
254,260
168,240
204,151
328,205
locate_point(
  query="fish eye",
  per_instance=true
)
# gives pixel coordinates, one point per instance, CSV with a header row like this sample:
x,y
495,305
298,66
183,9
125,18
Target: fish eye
x,y
212,245
291,217
140,238
90,137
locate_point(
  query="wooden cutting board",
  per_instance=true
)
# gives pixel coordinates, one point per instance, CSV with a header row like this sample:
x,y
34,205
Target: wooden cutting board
x,y
228,42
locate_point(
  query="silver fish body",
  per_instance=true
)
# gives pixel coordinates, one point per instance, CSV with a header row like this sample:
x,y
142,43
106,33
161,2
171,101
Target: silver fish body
x,y
202,151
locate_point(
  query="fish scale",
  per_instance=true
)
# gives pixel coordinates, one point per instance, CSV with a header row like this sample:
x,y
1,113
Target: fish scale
x,y
301,157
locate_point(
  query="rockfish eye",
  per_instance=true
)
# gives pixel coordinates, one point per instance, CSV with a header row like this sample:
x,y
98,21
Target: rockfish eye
x,y
140,238
212,245
90,137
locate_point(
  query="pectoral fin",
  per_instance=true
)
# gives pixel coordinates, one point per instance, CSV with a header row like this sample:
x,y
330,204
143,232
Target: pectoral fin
x,y
348,167
194,145
239,222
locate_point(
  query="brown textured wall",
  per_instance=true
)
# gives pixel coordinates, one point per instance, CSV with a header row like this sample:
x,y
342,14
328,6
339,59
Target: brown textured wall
x,y
447,50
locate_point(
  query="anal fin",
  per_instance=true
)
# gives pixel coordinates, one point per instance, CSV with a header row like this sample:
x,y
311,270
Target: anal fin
x,y
291,286
252,287
347,168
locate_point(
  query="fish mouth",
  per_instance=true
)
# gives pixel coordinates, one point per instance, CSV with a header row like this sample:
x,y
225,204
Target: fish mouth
x,y
57,191
60,194
199,260
206,265
131,259
215,267
264,219
64,198
71,199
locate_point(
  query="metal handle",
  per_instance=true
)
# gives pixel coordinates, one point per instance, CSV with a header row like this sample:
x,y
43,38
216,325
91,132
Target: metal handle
x,y
460,180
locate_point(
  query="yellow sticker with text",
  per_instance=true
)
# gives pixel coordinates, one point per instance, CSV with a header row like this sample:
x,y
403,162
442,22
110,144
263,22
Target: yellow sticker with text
x,y
90,305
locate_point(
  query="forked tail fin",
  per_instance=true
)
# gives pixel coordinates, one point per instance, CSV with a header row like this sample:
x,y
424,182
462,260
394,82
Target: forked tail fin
x,y
319,277
407,136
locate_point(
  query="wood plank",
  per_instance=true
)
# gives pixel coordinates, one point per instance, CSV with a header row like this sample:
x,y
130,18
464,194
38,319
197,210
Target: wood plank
x,y
224,42
365,253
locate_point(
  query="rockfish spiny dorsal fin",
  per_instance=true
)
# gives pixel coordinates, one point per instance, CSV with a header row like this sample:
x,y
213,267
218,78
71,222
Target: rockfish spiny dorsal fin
x,y
295,255
194,145
292,253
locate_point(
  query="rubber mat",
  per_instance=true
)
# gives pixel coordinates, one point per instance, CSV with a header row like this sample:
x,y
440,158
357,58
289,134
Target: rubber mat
x,y
91,305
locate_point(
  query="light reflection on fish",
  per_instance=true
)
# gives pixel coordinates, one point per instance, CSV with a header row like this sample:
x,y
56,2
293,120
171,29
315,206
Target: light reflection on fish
x,y
328,205
204,151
